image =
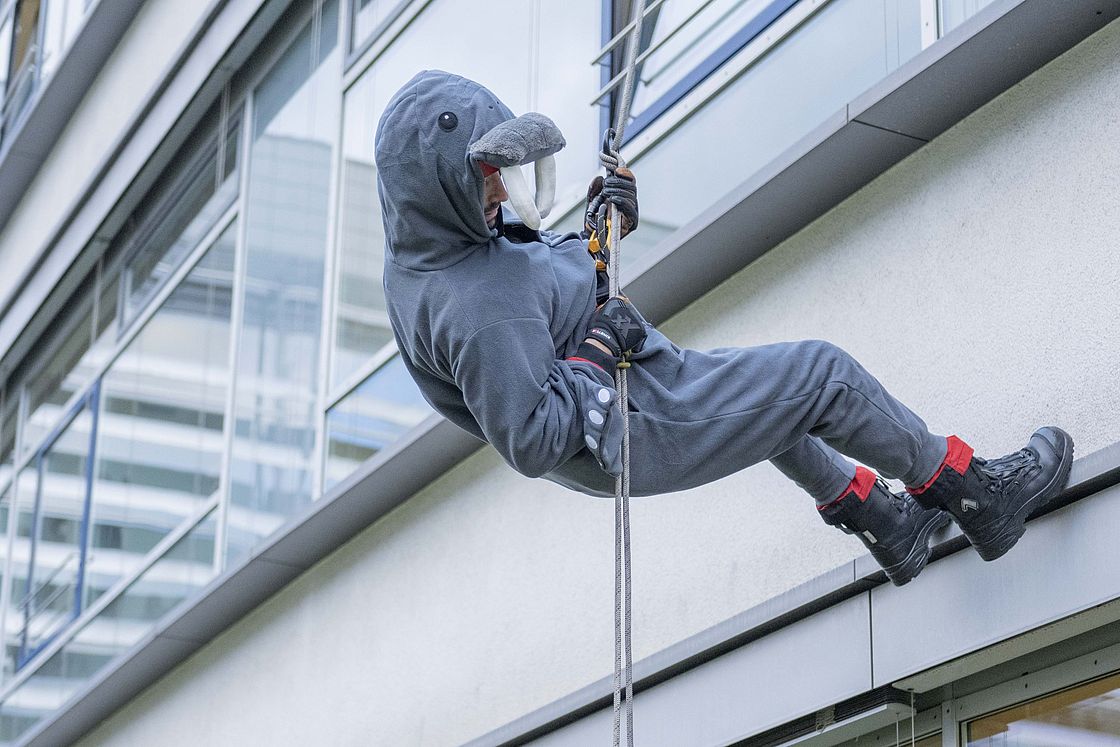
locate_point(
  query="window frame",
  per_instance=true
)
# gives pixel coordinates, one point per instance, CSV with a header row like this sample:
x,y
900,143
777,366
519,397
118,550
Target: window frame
x,y
90,400
1034,685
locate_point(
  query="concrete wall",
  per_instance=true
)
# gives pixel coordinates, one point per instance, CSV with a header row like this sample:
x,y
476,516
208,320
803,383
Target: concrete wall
x,y
120,90
978,279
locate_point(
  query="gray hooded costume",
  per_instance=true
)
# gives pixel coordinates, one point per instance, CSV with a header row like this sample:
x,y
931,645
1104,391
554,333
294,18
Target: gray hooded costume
x,y
486,320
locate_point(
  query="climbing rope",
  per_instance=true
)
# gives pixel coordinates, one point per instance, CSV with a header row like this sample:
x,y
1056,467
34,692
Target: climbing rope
x,y
623,653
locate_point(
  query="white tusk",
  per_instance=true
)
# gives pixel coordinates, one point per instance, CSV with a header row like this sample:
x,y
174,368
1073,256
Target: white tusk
x,y
545,170
519,197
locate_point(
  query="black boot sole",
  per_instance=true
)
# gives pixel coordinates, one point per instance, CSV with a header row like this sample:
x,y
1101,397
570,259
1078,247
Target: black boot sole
x,y
904,571
995,539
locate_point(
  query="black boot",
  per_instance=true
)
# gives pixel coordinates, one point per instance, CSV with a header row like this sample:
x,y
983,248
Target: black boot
x,y
991,500
893,527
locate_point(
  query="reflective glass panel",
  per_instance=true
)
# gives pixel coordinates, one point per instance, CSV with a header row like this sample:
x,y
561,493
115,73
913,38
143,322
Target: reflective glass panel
x,y
178,575
26,486
62,21
831,58
1086,715
161,428
367,16
956,12
5,51
682,34
58,533
361,325
67,368
182,208
24,61
547,72
5,515
295,131
381,409
8,418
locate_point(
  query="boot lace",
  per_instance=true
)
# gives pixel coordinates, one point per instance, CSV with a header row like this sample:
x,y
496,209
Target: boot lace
x,y
903,502
998,474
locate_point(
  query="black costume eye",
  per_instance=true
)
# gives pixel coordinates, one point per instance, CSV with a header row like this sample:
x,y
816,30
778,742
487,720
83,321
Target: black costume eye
x,y
448,121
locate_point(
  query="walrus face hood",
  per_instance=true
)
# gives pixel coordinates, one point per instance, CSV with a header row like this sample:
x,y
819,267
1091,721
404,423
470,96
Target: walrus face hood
x,y
437,139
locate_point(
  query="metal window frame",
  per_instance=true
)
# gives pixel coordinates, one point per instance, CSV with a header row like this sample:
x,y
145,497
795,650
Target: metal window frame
x,y
1034,686
639,140
79,400
91,400
754,28
353,53
382,39
332,245
182,180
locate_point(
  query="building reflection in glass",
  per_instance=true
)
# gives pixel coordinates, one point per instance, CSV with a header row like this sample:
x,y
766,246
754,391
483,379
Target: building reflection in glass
x,y
374,415
161,430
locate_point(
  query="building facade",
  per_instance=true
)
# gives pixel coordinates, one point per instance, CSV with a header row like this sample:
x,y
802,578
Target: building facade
x,y
228,516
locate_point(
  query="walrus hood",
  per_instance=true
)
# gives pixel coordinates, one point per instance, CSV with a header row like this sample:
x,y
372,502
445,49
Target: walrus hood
x,y
438,138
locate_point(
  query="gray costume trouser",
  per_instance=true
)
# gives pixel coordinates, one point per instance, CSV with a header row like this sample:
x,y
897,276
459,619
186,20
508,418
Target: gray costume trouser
x,y
699,416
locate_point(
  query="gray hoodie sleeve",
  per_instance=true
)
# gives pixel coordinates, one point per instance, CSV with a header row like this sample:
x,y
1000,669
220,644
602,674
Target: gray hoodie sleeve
x,y
537,411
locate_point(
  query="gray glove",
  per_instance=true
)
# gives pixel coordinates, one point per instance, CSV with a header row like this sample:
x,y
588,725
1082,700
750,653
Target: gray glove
x,y
602,429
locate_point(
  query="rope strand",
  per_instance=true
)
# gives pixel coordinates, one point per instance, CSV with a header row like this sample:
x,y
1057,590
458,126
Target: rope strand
x,y
623,662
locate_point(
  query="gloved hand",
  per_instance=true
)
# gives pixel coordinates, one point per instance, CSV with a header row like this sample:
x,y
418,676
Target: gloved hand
x,y
619,327
602,430
621,190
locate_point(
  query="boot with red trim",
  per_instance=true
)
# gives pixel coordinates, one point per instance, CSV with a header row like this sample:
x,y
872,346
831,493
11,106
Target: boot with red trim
x,y
991,499
892,526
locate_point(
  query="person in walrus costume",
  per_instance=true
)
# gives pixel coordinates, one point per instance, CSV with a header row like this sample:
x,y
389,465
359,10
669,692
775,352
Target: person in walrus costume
x,y
509,333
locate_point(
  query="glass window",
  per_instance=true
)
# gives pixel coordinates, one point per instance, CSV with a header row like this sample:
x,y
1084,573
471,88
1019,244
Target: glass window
x,y
833,57
1088,714
26,486
162,420
681,35
23,61
24,37
184,205
956,12
63,19
178,575
58,538
5,55
366,16
361,322
8,416
5,515
381,409
66,367
295,132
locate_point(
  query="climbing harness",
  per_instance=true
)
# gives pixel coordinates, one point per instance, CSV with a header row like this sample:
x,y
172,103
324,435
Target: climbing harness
x,y
623,653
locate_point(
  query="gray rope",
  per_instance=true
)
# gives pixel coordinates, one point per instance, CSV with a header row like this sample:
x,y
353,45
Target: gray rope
x,y
623,651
